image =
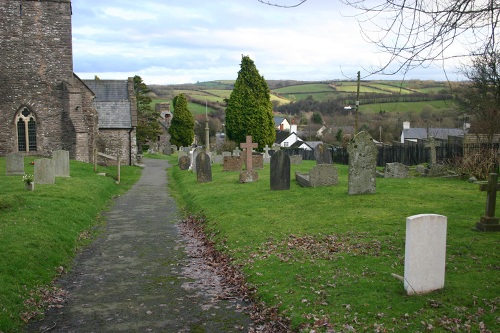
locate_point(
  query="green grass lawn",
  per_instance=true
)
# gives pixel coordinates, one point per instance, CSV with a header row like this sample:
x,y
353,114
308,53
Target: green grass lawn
x,y
324,258
40,232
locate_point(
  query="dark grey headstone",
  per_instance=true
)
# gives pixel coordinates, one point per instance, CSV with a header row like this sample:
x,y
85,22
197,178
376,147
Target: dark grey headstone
x,y
280,171
184,162
322,154
203,168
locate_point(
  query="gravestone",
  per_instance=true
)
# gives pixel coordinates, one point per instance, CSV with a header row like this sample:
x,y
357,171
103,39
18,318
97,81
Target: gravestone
x,y
248,175
322,154
61,163
174,149
431,143
362,161
280,171
181,153
226,153
44,171
168,148
236,152
195,152
184,162
14,164
232,163
488,221
218,159
257,161
320,175
425,253
396,170
296,159
266,157
203,168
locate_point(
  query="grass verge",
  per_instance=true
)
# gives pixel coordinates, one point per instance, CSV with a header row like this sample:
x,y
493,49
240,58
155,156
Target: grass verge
x,y
41,231
324,259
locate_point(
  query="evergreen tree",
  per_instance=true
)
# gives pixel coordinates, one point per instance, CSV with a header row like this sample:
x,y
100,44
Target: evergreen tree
x,y
148,127
182,126
249,109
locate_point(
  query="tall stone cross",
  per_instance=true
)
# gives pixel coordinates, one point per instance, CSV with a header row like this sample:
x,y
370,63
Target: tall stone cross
x,y
489,222
249,145
432,145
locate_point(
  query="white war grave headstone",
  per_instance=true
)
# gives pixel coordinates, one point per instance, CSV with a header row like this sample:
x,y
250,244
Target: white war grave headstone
x,y
362,162
425,253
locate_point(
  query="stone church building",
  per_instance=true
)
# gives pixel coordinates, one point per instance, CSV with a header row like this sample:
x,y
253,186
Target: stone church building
x,y
44,106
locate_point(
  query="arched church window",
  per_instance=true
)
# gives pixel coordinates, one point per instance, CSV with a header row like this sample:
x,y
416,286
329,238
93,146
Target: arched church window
x,y
26,130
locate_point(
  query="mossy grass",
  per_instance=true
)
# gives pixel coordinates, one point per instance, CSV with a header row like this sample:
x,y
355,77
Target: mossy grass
x,y
41,231
325,258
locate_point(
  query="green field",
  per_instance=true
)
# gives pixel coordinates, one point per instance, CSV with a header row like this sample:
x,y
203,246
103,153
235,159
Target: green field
x,y
324,259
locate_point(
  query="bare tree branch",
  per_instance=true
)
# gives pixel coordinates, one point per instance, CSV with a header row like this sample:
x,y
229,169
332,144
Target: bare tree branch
x,y
300,2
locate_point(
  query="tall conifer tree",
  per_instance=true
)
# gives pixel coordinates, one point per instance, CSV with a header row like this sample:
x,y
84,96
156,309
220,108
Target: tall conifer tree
x,y
249,109
182,126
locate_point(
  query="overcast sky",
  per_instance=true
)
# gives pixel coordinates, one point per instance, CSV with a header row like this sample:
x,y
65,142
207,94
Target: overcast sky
x,y
185,41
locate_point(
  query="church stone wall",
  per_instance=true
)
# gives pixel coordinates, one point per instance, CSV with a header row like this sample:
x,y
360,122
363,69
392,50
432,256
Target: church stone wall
x,y
36,71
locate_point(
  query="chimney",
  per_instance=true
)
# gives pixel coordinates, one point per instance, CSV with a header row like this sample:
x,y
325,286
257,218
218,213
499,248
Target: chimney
x,y
293,128
406,125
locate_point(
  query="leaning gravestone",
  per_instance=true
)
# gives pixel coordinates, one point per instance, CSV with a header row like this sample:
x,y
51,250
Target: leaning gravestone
x,y
203,168
425,253
320,175
61,163
396,170
322,154
184,162
280,171
14,164
362,161
44,171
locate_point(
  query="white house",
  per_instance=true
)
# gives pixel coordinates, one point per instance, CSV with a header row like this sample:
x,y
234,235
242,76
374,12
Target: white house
x,y
281,124
287,139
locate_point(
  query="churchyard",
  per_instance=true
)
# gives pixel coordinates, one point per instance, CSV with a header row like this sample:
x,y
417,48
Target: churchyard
x,y
41,230
327,260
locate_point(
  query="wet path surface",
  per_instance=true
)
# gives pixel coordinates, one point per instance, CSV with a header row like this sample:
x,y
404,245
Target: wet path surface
x,y
138,277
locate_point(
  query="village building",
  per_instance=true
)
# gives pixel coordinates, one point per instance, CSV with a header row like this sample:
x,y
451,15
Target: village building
x,y
44,106
415,134
281,124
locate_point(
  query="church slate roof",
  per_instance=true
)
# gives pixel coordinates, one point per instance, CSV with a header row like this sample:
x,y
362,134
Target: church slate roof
x,y
112,103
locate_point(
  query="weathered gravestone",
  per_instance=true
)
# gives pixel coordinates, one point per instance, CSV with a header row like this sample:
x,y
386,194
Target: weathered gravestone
x,y
181,153
280,171
61,163
320,175
257,161
488,221
248,175
232,163
44,171
203,168
266,157
425,253
296,159
167,150
174,149
236,152
184,162
362,162
431,144
14,164
396,170
218,159
322,154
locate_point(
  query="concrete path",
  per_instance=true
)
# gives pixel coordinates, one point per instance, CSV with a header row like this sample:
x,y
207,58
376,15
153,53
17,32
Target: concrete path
x,y
138,277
